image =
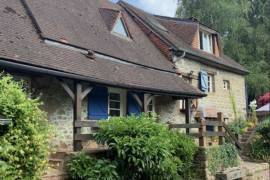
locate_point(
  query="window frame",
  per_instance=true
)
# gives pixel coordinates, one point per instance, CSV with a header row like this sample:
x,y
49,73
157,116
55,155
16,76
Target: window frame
x,y
152,103
209,48
123,94
228,85
210,83
127,36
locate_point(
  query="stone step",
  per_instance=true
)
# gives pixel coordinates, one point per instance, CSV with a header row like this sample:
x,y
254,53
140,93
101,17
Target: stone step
x,y
57,163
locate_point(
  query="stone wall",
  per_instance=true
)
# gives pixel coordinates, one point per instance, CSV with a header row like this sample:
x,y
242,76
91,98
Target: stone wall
x,y
220,98
59,108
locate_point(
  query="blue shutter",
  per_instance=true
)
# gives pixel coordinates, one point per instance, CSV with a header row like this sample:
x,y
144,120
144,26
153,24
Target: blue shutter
x,y
98,103
132,106
203,81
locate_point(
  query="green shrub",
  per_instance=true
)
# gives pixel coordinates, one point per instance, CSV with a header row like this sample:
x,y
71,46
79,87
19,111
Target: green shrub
x,y
260,147
238,126
25,146
222,157
144,149
82,167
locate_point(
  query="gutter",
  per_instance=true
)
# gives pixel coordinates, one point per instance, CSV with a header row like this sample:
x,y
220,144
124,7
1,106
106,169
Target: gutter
x,y
9,63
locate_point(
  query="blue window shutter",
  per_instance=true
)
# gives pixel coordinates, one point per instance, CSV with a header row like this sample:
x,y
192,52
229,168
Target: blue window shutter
x,y
98,103
203,81
132,106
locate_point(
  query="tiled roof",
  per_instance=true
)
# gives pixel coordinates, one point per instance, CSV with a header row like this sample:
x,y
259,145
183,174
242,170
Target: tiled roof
x,y
110,16
21,44
185,29
178,41
81,24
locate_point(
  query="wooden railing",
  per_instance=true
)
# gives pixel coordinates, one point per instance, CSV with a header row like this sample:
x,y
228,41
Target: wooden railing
x,y
221,130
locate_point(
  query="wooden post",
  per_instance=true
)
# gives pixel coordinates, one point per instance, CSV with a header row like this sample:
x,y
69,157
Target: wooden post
x,y
202,130
77,145
220,127
187,113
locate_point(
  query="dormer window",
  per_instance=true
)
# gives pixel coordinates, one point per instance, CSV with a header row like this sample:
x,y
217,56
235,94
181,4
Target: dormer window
x,y
120,28
206,41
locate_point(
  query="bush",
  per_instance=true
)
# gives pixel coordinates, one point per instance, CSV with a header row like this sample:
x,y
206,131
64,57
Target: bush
x,y
238,126
222,157
260,147
24,147
144,149
82,167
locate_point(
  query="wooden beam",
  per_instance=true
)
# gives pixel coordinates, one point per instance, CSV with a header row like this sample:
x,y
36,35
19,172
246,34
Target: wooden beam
x,y
146,100
86,92
187,114
87,123
138,100
67,89
77,145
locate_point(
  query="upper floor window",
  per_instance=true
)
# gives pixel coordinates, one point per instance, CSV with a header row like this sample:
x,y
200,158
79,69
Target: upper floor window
x,y
120,28
226,85
206,41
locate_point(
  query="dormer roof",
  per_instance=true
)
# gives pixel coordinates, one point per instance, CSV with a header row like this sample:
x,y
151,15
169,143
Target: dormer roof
x,y
179,36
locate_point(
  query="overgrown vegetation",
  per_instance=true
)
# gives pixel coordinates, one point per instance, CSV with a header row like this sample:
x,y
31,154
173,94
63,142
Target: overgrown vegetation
x,y
260,147
141,148
83,167
238,126
245,30
25,146
222,157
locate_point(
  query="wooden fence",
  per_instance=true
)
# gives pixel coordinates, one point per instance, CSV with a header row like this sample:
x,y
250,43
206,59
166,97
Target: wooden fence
x,y
218,124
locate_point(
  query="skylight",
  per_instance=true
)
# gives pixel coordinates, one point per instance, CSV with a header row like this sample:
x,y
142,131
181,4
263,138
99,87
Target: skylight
x,y
120,28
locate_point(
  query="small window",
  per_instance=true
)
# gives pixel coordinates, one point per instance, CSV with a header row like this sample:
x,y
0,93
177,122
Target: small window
x,y
116,102
206,43
210,82
182,105
151,106
226,84
120,28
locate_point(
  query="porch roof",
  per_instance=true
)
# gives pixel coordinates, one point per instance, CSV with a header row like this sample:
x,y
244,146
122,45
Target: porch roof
x,y
22,48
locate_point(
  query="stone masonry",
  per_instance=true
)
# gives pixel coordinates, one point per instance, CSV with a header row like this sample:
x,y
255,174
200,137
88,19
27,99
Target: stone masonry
x,y
220,98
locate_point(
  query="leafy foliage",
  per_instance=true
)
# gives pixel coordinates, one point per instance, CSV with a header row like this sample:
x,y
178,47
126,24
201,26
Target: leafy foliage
x,y
238,126
144,149
260,147
82,167
25,146
222,157
245,29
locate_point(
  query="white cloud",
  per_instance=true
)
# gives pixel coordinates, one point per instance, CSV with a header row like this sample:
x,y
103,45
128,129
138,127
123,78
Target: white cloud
x,y
158,7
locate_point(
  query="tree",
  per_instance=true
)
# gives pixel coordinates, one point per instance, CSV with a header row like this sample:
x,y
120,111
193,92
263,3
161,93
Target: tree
x,y
244,26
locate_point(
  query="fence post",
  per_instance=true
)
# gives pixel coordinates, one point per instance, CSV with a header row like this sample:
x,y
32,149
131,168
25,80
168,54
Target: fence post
x,y
202,130
220,127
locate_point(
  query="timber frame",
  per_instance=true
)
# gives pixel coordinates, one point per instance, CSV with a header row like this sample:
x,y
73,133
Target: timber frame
x,y
77,94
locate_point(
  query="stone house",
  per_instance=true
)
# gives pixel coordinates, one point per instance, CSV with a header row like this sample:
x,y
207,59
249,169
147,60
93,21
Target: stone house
x,y
196,51
87,60
90,60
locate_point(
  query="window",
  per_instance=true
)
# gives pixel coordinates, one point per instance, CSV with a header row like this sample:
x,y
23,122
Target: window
x,y
206,43
116,102
226,84
120,28
151,106
182,105
210,82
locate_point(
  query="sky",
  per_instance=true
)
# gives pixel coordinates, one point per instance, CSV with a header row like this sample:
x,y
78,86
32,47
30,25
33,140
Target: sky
x,y
158,7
